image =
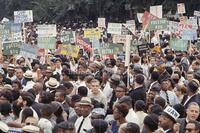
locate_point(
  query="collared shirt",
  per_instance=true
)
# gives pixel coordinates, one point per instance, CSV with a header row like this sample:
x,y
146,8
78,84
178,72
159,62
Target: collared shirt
x,y
188,98
86,124
132,117
29,85
172,97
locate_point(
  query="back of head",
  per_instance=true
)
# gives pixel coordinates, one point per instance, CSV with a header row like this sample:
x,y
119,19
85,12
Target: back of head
x,y
132,128
100,126
82,91
151,121
139,79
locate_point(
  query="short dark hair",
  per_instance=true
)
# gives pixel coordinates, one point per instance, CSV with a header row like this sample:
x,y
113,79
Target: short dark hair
x,y
7,94
132,128
151,121
196,123
5,108
83,91
122,109
139,79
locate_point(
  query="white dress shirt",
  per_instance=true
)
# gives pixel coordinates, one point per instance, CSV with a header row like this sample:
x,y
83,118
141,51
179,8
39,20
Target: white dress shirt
x,y
85,126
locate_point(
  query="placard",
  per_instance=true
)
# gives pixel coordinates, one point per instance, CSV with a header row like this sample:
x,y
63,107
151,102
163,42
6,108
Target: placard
x,y
11,48
102,22
139,17
70,50
114,28
23,16
143,49
46,30
86,46
147,17
179,44
92,33
156,11
158,24
47,42
96,47
130,24
181,8
67,37
111,48
119,39
173,26
189,34
29,51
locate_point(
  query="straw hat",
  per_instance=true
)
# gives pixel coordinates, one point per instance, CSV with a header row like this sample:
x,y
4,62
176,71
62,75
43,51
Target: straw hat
x,y
52,83
28,74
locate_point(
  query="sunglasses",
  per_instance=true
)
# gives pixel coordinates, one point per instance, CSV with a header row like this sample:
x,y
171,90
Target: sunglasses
x,y
189,129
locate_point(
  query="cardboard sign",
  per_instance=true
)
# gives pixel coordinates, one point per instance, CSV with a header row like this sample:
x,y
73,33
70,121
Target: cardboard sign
x,y
178,44
11,48
67,37
189,34
181,8
11,33
156,11
102,22
70,50
46,30
143,49
111,48
197,13
114,28
92,33
147,17
47,42
23,16
158,24
28,51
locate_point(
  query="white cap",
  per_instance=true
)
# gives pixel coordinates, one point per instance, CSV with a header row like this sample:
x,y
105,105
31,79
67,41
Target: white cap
x,y
172,112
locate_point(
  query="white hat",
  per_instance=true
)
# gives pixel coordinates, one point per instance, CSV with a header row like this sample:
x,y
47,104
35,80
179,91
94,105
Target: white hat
x,y
85,101
172,113
52,83
31,129
3,127
11,67
28,74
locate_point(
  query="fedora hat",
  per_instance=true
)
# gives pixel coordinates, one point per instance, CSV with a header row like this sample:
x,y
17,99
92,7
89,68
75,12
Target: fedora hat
x,y
85,101
28,74
52,83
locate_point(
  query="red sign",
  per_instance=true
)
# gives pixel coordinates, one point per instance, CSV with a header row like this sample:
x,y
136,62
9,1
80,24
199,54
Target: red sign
x,y
147,17
84,44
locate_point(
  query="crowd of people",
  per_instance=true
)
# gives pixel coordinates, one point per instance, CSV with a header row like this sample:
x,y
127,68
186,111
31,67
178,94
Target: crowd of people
x,y
157,93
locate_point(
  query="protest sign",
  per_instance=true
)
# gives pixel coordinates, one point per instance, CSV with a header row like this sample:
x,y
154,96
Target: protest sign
x,y
102,22
197,13
67,37
147,17
23,16
70,50
189,34
143,49
11,48
91,33
173,26
11,33
156,11
111,48
29,51
178,44
47,42
114,28
119,39
181,8
158,24
86,46
139,17
46,30
96,46
130,24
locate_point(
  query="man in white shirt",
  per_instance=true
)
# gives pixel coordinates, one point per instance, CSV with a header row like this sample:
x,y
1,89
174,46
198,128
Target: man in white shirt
x,y
28,75
83,123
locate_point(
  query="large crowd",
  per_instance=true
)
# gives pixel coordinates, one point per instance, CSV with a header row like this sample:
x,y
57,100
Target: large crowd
x,y
157,93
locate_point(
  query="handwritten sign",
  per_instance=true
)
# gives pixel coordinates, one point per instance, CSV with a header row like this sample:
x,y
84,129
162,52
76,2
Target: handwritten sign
x,y
47,42
158,24
47,30
111,48
67,37
114,28
11,48
23,16
29,51
70,50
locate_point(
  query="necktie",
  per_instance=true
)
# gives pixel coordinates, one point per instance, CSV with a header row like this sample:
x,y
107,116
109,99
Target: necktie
x,y
167,96
79,129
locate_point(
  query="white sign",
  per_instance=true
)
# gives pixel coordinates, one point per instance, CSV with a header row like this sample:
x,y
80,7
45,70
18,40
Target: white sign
x,y
102,22
130,24
197,13
173,26
23,16
47,30
181,8
114,28
156,11
119,39
139,17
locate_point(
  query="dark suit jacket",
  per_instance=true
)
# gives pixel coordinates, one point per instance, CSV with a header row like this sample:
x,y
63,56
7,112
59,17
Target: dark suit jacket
x,y
195,98
138,94
183,123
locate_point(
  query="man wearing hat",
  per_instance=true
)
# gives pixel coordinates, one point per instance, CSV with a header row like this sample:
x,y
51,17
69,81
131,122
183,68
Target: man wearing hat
x,y
168,119
28,76
11,72
83,123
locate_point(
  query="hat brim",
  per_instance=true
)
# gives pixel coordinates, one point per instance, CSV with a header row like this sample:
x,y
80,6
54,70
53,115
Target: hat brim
x,y
25,76
49,86
168,116
87,104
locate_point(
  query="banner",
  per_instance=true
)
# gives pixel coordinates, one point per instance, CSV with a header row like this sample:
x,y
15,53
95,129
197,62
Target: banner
x,y
156,11
114,28
47,42
181,8
29,51
70,50
46,30
11,33
92,33
158,24
11,48
23,16
147,17
67,37
102,22
178,44
111,48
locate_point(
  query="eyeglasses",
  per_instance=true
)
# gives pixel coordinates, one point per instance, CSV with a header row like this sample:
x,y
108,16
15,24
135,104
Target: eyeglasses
x,y
189,129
